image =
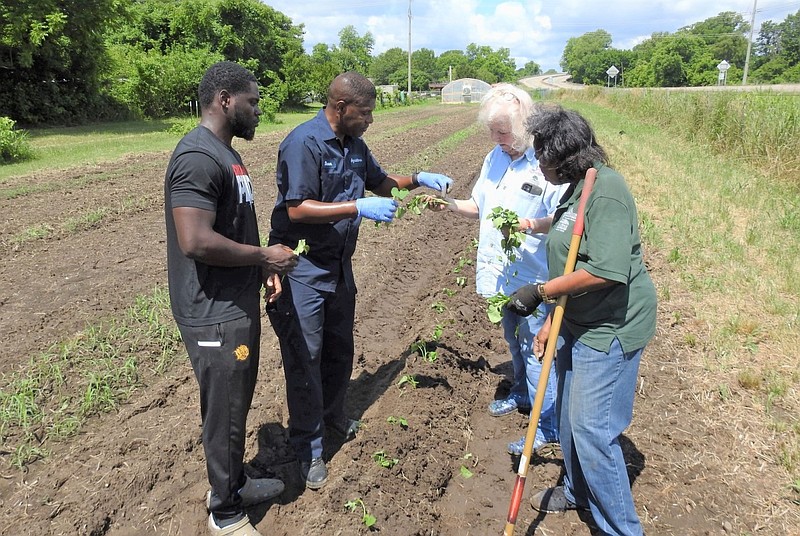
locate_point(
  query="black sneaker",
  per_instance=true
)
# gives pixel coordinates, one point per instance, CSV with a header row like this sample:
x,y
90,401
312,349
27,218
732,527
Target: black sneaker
x,y
314,473
345,428
553,501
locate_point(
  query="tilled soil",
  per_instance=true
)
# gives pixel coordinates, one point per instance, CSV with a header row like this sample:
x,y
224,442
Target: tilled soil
x,y
140,469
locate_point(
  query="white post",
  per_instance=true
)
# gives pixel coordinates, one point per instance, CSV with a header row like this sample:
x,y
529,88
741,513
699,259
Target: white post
x,y
749,44
409,49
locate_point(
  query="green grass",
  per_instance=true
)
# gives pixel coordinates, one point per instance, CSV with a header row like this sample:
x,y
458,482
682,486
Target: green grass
x,y
62,148
91,373
728,230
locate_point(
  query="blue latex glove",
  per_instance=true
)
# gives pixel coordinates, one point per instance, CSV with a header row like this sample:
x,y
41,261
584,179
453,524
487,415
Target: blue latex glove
x,y
436,181
376,208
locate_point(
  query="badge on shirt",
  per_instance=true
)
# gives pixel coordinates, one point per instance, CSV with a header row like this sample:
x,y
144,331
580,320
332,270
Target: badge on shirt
x,y
533,189
356,161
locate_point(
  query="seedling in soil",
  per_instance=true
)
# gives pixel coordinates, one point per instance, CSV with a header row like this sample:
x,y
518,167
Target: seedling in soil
x,y
302,248
367,519
462,261
421,347
381,459
408,379
439,307
461,281
437,332
448,292
495,307
466,473
401,421
507,221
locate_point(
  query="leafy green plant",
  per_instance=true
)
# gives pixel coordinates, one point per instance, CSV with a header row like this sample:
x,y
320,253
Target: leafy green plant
x,y
422,201
466,473
439,307
14,145
302,248
496,304
383,460
408,379
421,347
367,519
400,421
399,194
461,281
507,221
462,261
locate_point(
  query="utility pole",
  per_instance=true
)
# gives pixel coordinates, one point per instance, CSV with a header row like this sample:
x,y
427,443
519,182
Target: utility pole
x,y
409,49
749,43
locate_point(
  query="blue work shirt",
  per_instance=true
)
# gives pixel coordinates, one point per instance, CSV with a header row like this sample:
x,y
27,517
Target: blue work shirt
x,y
312,164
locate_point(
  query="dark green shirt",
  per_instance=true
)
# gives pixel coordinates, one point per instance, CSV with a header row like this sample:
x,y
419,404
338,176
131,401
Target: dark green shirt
x,y
610,248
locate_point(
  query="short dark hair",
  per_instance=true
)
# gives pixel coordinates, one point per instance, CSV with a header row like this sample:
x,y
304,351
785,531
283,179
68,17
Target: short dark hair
x,y
564,140
351,87
224,75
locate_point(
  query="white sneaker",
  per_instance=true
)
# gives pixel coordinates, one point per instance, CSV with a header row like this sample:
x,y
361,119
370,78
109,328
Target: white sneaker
x,y
255,490
240,528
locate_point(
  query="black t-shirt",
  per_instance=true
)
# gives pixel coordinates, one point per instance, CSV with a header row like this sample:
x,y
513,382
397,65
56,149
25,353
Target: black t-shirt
x,y
207,174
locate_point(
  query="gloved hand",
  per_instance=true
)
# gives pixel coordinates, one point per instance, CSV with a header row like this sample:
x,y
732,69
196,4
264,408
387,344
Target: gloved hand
x,y
436,181
376,208
525,300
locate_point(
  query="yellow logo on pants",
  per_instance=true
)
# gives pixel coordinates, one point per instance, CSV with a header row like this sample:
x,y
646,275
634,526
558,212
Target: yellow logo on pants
x,y
242,352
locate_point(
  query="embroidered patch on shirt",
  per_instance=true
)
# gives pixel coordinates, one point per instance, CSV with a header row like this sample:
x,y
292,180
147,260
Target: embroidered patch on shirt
x,y
242,352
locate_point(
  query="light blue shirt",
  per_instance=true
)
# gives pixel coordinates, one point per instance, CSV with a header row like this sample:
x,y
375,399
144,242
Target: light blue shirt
x,y
519,186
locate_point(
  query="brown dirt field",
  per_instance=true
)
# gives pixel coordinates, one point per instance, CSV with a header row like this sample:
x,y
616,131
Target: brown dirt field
x,y
697,466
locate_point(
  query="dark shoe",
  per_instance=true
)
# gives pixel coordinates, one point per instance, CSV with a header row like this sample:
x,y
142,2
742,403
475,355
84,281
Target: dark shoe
x,y
255,490
314,472
346,428
553,501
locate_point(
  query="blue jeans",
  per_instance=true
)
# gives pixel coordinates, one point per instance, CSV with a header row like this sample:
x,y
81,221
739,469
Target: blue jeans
x,y
590,423
519,332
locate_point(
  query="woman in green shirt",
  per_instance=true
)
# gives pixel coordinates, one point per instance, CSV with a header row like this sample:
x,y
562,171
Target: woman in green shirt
x,y
608,320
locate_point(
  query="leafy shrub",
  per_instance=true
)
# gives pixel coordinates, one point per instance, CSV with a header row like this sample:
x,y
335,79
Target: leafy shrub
x,y
14,145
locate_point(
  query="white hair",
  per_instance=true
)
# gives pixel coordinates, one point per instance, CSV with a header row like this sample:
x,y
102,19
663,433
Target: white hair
x,y
511,104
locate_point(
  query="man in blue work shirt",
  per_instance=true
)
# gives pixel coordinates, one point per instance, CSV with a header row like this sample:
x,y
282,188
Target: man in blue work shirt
x,y
324,170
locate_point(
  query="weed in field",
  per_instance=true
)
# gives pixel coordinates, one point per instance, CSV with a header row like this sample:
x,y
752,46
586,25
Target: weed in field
x,y
91,373
383,460
408,379
367,519
400,421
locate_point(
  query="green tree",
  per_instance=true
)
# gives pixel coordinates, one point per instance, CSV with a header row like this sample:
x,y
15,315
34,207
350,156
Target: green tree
x,y
530,68
387,63
579,58
451,61
354,52
52,57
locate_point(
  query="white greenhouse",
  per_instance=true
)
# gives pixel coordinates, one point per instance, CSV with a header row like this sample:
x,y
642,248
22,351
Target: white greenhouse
x,y
464,90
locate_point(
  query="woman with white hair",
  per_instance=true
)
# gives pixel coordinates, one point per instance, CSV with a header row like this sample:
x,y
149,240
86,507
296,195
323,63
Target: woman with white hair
x,y
511,179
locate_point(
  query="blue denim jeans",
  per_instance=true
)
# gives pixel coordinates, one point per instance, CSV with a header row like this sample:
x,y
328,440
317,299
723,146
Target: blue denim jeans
x,y
519,332
595,405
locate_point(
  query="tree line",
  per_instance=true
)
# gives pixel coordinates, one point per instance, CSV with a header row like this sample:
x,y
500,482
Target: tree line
x,y
76,61
690,56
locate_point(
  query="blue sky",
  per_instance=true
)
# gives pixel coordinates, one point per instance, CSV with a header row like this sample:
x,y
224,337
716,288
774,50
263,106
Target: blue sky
x,y
532,30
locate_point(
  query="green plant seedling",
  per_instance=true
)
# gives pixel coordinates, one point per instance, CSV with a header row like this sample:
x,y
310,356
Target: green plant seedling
x,y
461,281
496,304
421,347
448,292
384,461
408,379
466,473
423,201
507,221
400,421
437,332
302,248
367,519
439,307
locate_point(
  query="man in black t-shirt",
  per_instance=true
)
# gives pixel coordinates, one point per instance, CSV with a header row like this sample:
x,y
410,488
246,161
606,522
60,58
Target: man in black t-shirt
x,y
216,267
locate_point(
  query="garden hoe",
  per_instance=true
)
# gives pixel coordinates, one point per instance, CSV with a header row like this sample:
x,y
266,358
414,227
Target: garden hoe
x,y
547,361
